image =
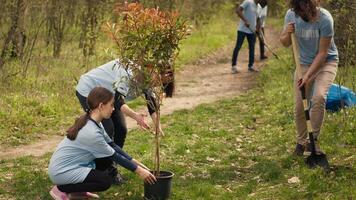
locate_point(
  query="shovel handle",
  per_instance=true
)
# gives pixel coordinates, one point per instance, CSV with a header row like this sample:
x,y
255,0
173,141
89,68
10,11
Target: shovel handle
x,y
296,56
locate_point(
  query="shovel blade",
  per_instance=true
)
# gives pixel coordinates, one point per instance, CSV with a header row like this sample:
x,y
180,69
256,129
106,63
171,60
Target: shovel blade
x,y
315,160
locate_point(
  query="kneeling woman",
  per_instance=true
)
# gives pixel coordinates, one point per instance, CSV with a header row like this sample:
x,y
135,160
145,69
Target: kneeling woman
x,y
82,161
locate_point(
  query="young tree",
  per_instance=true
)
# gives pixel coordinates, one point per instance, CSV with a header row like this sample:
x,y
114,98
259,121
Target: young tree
x,y
147,41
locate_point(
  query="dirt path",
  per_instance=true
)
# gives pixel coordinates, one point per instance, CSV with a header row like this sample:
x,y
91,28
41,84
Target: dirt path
x,y
205,81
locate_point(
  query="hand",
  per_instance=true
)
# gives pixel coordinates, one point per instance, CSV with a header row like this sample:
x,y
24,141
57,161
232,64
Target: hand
x,y
290,28
140,118
247,24
304,80
146,175
160,131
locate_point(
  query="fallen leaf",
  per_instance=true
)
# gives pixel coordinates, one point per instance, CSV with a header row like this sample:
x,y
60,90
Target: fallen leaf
x,y
294,179
239,139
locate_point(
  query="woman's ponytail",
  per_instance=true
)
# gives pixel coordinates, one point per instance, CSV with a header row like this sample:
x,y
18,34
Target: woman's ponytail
x,y
96,96
79,123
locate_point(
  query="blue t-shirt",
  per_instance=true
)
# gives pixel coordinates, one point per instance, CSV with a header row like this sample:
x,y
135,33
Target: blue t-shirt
x,y
250,13
308,35
74,159
112,76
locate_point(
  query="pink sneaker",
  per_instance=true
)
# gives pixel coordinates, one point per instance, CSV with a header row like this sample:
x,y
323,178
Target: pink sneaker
x,y
57,194
83,195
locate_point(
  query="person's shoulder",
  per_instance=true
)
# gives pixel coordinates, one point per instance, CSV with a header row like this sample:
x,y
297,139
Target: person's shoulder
x,y
246,2
110,65
290,13
89,130
325,14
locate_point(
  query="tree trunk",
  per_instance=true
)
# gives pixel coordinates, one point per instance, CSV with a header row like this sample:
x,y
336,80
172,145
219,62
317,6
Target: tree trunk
x,y
16,38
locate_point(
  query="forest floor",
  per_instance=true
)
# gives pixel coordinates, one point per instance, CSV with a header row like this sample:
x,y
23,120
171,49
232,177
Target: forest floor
x,y
204,81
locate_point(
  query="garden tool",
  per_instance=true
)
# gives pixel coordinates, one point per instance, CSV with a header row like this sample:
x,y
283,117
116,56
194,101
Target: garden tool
x,y
262,37
314,159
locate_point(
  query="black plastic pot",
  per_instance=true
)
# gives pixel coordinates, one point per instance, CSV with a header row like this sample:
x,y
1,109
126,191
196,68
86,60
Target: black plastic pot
x,y
161,189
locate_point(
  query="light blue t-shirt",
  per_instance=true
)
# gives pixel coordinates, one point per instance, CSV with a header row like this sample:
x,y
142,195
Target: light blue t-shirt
x,y
74,159
110,75
250,13
308,35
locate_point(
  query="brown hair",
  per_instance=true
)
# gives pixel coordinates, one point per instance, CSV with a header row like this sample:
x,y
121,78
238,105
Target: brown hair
x,y
304,8
263,3
96,96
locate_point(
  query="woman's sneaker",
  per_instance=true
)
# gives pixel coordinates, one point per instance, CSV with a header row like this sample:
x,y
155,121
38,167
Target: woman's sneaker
x,y
253,69
234,69
83,195
57,194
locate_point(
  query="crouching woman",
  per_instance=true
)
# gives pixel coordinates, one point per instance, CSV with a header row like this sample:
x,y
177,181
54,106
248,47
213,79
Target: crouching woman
x,y
82,162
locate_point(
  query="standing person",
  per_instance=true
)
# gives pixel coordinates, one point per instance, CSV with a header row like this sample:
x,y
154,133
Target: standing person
x,y
116,78
314,30
261,22
247,12
81,163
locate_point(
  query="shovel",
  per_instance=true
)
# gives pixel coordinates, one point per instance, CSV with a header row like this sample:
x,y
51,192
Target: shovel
x,y
314,159
262,37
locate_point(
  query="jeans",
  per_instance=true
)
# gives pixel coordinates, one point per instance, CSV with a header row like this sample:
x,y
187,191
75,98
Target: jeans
x,y
251,38
115,126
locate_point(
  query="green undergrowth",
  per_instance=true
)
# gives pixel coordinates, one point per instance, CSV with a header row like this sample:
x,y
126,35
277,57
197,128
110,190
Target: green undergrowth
x,y
42,102
239,148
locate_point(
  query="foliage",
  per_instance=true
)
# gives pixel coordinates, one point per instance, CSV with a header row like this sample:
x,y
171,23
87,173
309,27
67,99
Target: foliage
x,y
50,82
147,41
345,37
147,38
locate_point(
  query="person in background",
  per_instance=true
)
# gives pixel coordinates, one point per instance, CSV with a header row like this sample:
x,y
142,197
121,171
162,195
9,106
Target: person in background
x,y
247,12
116,78
314,30
262,9
81,163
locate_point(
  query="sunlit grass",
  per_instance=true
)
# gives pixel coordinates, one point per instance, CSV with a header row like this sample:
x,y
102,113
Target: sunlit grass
x,y
239,148
42,101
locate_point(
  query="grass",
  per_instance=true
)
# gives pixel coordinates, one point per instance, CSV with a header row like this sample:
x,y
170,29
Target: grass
x,y
239,148
42,102
212,35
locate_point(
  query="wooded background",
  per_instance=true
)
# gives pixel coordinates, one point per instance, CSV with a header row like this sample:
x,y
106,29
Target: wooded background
x,y
29,25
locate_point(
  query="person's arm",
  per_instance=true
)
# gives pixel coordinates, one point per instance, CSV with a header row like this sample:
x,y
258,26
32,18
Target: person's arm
x,y
239,12
144,174
119,150
318,61
139,164
289,28
139,117
285,37
123,107
123,161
